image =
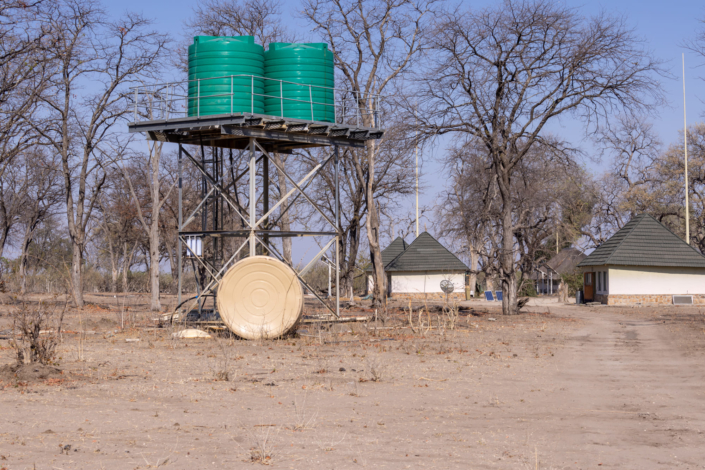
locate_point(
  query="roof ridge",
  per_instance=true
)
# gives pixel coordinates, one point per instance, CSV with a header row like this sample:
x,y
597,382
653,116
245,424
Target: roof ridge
x,y
397,256
432,238
614,250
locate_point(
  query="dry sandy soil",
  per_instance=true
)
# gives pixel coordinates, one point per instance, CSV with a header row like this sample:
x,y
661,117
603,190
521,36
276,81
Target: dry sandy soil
x,y
557,387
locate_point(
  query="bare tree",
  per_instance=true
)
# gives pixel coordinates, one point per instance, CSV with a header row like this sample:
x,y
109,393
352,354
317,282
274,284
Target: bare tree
x,y
13,186
120,233
631,185
666,199
23,74
111,55
503,73
697,44
374,43
544,198
148,212
42,198
259,18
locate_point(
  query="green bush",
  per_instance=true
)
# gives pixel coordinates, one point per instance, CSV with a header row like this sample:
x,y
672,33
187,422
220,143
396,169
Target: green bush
x,y
574,281
528,289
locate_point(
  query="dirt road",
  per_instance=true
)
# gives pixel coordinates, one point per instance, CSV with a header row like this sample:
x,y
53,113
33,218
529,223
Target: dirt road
x,y
627,394
575,388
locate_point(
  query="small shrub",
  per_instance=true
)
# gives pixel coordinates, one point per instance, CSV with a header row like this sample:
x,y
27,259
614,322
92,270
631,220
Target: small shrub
x,y
376,368
39,330
222,367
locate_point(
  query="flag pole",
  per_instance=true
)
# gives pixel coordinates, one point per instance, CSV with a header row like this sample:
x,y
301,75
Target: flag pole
x,y
685,144
416,150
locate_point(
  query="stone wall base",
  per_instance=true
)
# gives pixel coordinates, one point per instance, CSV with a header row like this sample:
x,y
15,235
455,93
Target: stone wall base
x,y
435,296
654,299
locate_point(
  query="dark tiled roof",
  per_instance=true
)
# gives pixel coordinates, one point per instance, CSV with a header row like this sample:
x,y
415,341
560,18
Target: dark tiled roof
x,y
394,249
644,241
566,260
426,254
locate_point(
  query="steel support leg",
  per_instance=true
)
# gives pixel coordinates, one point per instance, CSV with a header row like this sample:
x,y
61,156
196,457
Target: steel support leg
x,y
337,237
253,196
265,200
179,246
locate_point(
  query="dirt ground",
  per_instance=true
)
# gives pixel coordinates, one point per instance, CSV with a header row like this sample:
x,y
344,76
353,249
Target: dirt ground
x,y
558,387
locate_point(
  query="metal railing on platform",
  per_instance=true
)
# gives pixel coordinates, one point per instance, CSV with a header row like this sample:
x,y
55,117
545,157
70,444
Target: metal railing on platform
x,y
164,101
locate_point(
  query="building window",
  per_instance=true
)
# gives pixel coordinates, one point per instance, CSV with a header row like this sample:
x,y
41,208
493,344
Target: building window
x,y
588,279
599,279
606,288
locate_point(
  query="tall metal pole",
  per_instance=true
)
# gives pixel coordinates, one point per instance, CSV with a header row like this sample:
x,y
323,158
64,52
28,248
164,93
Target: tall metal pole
x,y
416,150
178,237
253,195
337,237
685,143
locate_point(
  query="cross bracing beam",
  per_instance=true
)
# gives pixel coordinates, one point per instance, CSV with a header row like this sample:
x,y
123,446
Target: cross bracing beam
x,y
233,203
246,233
301,191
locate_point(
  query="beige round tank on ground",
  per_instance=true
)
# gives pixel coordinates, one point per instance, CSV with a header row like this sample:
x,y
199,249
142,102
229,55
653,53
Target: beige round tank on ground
x,y
260,297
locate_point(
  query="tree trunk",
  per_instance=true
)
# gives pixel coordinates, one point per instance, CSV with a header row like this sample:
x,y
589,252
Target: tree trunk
x,y
379,279
473,269
348,274
171,254
113,276
26,241
114,271
154,266
3,239
126,261
507,262
153,231
77,274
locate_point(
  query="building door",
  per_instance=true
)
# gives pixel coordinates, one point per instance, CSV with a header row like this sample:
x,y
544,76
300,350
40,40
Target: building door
x,y
588,287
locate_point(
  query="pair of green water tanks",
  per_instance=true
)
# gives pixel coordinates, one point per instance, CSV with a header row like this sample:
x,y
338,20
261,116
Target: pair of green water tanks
x,y
234,75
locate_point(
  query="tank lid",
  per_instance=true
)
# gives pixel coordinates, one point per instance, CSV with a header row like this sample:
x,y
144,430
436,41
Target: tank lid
x,y
308,45
245,39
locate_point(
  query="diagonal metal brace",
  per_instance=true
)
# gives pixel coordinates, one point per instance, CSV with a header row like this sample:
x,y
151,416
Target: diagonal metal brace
x,y
190,218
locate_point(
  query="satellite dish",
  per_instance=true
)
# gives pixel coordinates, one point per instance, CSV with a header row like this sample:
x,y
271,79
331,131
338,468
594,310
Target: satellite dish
x,y
260,298
447,286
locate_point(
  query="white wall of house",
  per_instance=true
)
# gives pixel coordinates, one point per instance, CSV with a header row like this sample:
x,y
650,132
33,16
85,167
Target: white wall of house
x,y
425,282
419,282
640,280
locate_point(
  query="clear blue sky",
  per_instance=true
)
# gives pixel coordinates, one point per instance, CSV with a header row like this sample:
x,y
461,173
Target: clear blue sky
x,y
664,26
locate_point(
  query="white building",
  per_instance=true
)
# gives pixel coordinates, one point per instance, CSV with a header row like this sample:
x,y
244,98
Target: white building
x,y
416,271
548,275
644,263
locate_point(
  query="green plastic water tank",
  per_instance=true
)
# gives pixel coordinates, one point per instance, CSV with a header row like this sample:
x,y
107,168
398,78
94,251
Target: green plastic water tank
x,y
307,75
225,56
